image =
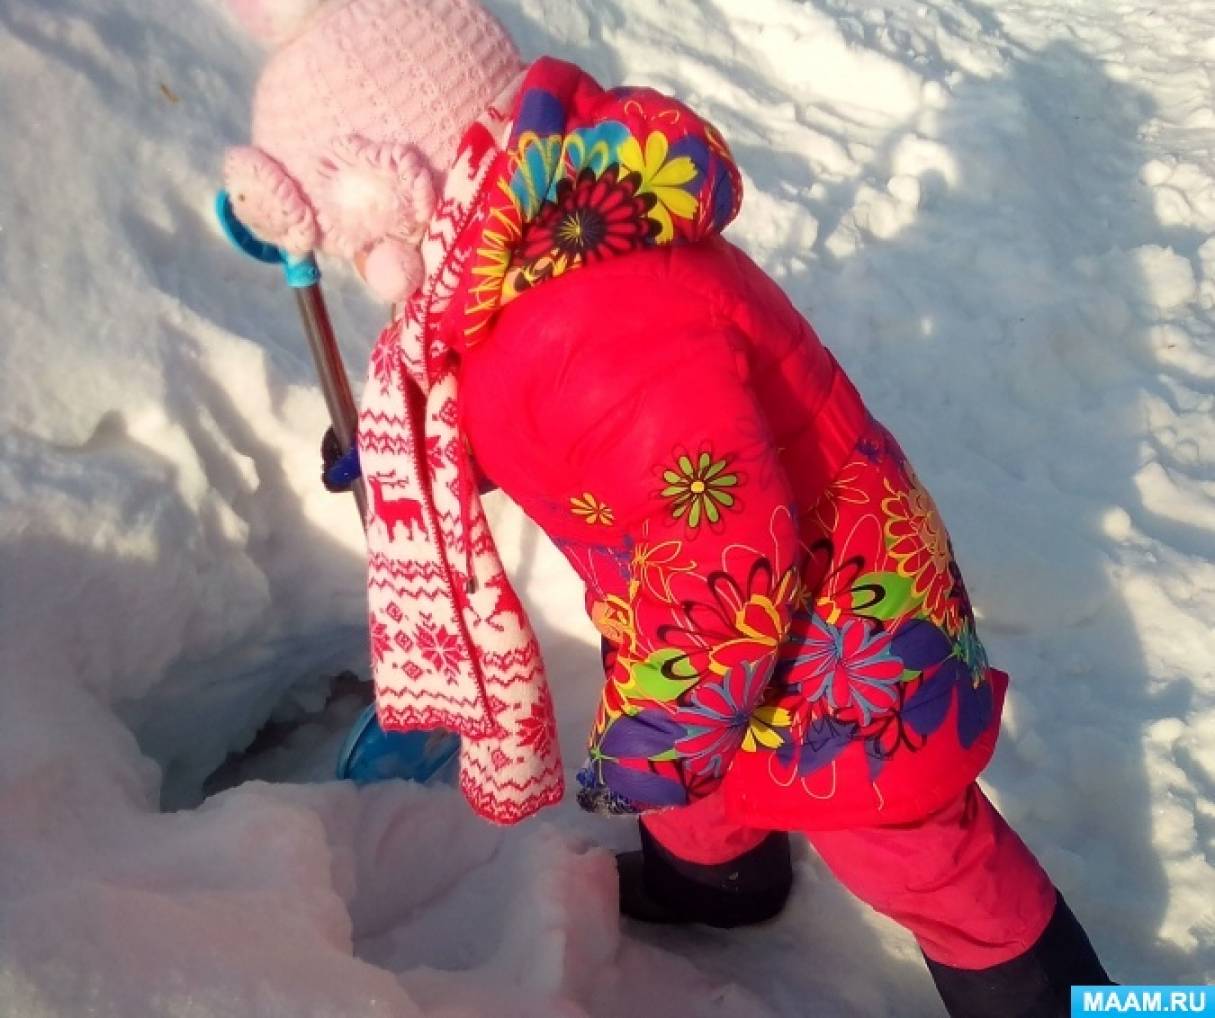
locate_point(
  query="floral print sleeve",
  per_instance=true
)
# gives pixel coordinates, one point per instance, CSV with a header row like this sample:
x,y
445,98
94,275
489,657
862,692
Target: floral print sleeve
x,y
684,492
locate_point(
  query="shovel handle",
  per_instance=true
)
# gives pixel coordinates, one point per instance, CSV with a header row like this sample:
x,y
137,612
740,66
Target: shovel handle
x,y
335,384
304,277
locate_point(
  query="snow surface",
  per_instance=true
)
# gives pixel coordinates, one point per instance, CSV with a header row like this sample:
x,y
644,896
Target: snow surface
x,y
999,217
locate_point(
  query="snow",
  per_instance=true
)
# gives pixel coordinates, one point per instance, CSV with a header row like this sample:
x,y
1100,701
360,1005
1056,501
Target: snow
x,y
1000,218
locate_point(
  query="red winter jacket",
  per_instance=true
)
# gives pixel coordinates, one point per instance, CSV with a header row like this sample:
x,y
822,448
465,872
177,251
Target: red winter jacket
x,y
782,613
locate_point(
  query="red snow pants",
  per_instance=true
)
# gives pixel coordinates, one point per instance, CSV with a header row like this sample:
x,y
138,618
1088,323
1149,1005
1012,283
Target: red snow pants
x,y
960,880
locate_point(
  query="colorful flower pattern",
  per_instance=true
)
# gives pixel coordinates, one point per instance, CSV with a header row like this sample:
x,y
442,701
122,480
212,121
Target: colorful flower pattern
x,y
591,510
717,717
665,179
916,540
699,489
645,172
847,670
867,646
613,617
730,619
591,217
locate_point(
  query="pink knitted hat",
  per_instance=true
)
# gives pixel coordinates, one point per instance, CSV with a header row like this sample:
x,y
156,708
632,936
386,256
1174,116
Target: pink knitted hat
x,y
357,114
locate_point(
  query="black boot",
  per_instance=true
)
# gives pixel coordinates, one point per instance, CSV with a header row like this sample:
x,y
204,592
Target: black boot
x,y
658,887
1036,984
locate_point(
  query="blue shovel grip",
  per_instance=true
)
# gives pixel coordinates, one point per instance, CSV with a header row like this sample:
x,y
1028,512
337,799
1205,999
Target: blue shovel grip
x,y
299,270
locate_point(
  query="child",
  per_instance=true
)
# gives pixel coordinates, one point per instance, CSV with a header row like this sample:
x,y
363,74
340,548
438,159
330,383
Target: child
x,y
789,646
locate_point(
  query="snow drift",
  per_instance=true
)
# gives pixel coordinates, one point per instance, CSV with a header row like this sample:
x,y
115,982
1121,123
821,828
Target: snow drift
x,y
1000,220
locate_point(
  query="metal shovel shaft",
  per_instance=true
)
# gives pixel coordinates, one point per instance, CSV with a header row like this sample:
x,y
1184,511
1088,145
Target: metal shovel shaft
x,y
304,278
332,374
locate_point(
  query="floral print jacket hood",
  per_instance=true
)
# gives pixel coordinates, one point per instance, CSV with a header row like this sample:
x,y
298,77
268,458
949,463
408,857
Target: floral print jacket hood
x,y
591,175
781,613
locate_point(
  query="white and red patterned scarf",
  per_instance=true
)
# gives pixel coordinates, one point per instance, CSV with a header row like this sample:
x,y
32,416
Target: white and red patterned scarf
x,y
451,646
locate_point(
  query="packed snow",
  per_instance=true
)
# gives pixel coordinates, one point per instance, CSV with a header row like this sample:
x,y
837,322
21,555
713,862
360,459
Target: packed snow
x,y
1000,217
